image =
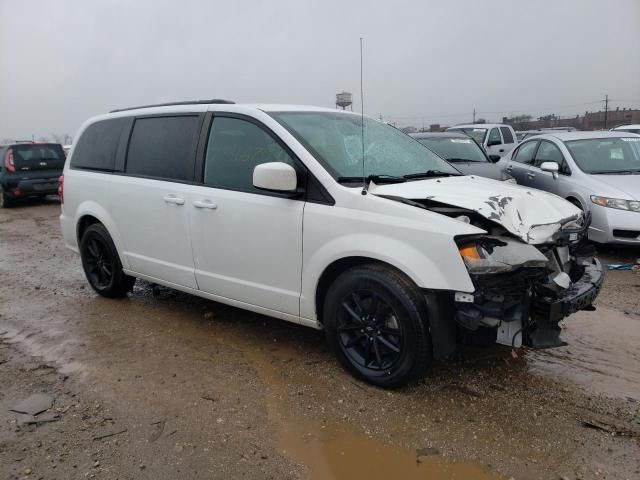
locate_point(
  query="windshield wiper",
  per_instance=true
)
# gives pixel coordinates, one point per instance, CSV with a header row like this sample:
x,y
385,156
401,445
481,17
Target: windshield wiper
x,y
615,172
375,178
455,160
431,173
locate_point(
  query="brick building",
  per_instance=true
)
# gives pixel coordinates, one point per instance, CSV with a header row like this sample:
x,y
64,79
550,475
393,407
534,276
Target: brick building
x,y
589,121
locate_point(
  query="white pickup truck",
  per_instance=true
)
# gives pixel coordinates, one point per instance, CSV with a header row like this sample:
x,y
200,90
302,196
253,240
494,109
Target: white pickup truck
x,y
497,139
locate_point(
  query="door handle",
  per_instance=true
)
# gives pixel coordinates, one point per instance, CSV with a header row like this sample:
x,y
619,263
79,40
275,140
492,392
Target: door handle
x,y
501,150
531,175
205,204
173,199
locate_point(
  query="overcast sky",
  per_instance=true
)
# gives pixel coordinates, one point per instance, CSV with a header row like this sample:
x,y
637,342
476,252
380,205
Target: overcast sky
x,y
63,61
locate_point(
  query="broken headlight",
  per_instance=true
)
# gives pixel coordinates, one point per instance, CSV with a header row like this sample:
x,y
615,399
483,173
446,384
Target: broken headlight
x,y
487,255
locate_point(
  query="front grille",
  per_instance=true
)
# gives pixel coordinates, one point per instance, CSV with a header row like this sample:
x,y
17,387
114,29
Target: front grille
x,y
626,233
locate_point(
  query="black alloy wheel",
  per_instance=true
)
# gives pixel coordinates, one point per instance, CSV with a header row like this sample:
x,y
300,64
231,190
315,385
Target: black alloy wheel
x,y
375,320
101,263
369,332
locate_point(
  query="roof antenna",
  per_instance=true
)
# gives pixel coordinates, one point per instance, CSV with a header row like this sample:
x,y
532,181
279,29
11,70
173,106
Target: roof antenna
x,y
364,179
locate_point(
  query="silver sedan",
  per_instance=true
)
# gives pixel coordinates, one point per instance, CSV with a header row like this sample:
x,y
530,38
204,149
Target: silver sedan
x,y
597,171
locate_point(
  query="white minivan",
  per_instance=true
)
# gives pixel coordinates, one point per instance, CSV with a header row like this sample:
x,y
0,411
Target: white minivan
x,y
290,212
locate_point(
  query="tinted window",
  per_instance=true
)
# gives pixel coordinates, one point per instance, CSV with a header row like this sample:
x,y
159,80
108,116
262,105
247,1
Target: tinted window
x,y
494,136
506,134
234,149
478,134
38,156
96,148
163,147
525,152
549,152
455,149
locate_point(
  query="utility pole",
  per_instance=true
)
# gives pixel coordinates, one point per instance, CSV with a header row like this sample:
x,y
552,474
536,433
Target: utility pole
x,y
474,115
606,109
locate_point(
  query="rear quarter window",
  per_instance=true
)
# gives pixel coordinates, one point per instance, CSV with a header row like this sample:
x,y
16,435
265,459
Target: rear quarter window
x,y
506,135
163,147
97,146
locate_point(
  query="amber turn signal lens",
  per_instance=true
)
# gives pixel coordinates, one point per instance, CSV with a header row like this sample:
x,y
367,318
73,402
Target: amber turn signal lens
x,y
470,252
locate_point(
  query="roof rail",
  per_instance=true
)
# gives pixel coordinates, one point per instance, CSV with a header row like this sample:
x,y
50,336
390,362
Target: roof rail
x,y
188,102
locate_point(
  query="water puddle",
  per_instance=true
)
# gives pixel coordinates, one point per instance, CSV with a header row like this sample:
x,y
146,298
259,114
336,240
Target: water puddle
x,y
603,354
332,452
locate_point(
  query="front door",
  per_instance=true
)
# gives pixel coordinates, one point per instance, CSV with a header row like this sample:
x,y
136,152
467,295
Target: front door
x,y
247,243
521,162
494,142
548,152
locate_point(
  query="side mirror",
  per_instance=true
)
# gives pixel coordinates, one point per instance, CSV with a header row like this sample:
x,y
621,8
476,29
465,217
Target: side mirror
x,y
550,167
275,176
494,158
491,143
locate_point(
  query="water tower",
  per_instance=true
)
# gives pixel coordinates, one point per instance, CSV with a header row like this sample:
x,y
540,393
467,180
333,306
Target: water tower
x,y
343,99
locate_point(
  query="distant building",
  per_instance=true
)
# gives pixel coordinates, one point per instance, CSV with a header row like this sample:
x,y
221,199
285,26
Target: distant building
x,y
595,120
590,120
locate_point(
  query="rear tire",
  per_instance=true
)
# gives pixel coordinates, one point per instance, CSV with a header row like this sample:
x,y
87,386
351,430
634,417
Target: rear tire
x,y
376,323
101,263
5,201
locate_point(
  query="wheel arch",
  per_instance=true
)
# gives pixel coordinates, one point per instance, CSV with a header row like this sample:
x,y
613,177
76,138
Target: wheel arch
x,y
90,213
337,268
573,198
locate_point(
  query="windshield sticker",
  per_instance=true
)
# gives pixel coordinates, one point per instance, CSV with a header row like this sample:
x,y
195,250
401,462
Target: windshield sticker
x,y
616,154
466,140
479,129
629,139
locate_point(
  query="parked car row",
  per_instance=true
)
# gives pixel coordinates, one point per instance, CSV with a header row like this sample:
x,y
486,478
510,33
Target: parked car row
x,y
596,171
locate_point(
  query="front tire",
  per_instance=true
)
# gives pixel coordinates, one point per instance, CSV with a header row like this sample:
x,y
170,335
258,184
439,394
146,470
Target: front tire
x,y
101,263
376,323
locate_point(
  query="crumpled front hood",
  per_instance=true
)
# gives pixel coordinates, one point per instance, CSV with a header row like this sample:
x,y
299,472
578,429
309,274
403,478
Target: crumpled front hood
x,y
532,215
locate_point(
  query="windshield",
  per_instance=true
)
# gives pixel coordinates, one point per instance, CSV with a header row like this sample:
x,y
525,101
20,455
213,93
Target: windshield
x,y
606,155
455,149
478,134
335,139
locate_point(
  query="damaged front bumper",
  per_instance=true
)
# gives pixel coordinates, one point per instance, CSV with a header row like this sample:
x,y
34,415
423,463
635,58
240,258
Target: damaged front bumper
x,y
547,311
524,307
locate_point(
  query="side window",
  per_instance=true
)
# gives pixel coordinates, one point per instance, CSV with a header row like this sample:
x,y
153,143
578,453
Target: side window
x,y
234,149
525,152
97,146
494,137
506,134
549,152
163,147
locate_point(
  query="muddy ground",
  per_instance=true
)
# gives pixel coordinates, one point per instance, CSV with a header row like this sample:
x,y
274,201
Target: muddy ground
x,y
163,385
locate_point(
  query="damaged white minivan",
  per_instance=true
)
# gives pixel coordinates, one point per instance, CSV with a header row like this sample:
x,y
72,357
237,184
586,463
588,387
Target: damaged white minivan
x,y
327,219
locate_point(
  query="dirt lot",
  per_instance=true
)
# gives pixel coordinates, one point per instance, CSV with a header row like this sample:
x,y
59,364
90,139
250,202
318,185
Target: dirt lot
x,y
163,385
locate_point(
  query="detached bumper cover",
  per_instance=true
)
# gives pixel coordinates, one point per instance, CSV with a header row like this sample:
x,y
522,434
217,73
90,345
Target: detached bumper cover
x,y
578,296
